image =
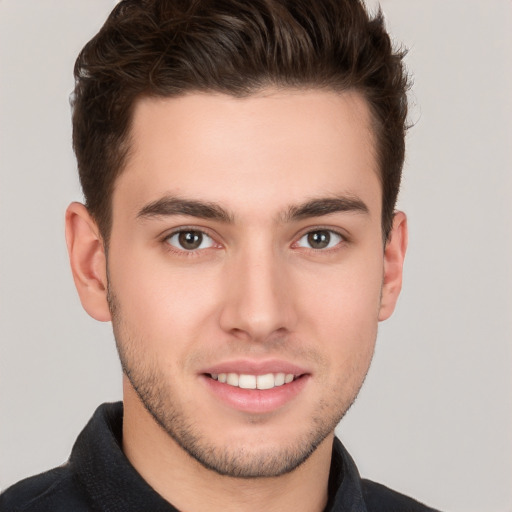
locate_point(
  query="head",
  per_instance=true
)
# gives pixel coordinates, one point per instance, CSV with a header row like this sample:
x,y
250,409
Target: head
x,y
240,163
162,48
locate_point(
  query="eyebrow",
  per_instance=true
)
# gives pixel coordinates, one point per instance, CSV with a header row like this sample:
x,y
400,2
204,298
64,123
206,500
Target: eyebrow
x,y
171,205
325,206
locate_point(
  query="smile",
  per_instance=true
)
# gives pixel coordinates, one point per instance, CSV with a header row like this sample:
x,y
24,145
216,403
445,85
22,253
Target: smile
x,y
246,381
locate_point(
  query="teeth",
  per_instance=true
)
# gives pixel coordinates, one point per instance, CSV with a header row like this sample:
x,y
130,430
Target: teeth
x,y
280,378
245,381
233,379
267,381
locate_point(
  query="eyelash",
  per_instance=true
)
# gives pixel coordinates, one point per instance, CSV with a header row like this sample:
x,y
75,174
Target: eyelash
x,y
215,245
192,252
342,239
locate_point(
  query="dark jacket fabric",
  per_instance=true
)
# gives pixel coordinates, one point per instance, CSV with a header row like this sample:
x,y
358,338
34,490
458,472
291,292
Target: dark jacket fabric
x,y
99,478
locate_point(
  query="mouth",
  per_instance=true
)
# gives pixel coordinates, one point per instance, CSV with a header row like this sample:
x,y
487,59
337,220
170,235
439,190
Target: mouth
x,y
256,386
248,381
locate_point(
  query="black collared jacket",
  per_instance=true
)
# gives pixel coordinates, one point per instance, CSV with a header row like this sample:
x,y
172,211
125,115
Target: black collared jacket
x,y
99,478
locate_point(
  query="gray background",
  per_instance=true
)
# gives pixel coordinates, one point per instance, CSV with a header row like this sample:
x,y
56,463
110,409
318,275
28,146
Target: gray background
x,y
435,417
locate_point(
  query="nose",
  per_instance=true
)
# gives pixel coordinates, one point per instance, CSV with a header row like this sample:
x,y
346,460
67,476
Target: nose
x,y
258,301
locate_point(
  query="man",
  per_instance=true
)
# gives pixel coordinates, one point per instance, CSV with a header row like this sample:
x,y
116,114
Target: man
x,y
240,163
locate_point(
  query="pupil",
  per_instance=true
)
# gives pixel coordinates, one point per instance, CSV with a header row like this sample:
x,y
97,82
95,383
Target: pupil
x,y
190,239
319,239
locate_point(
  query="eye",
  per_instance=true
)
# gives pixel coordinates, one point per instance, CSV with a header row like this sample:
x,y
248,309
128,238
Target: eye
x,y
190,240
320,239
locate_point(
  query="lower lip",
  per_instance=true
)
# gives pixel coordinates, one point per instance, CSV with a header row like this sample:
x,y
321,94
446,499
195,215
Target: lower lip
x,y
256,401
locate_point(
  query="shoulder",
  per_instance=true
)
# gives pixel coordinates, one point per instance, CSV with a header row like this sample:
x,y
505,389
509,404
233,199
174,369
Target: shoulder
x,y
55,490
380,498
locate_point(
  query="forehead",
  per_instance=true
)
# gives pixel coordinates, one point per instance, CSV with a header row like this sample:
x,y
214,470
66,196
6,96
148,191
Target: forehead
x,y
276,145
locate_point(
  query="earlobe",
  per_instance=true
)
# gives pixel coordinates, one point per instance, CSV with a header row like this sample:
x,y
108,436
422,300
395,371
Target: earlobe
x,y
88,261
394,255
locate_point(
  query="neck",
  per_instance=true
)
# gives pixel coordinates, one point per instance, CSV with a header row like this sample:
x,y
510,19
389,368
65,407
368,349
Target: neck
x,y
185,483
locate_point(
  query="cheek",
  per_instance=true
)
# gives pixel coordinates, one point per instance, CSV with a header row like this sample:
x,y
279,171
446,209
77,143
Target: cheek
x,y
341,311
160,301
346,295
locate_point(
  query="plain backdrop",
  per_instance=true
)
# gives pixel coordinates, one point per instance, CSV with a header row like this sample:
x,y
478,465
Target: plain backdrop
x,y
434,419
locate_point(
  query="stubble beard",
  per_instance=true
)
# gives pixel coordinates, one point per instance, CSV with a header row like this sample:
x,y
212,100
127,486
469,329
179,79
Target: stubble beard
x,y
159,399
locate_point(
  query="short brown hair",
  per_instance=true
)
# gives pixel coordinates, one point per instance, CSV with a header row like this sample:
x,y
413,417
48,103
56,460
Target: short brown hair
x,y
171,47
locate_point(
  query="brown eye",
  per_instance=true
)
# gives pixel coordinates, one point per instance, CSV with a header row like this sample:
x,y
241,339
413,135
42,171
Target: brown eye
x,y
320,239
190,240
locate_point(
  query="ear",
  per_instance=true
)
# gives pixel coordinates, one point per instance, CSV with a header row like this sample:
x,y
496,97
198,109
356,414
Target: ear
x,y
88,261
394,254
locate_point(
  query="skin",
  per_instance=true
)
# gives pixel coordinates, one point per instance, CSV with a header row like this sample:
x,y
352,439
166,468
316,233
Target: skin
x,y
255,291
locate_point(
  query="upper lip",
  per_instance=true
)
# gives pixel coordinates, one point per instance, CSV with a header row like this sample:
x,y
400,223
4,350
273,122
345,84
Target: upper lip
x,y
252,367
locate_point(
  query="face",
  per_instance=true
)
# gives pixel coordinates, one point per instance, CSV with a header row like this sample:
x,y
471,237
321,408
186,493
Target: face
x,y
246,271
